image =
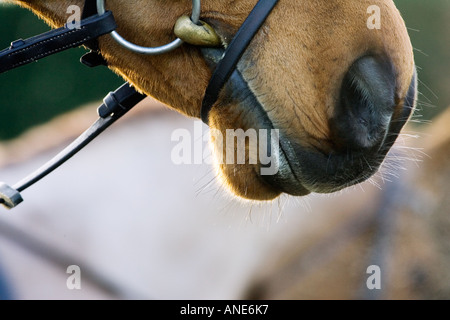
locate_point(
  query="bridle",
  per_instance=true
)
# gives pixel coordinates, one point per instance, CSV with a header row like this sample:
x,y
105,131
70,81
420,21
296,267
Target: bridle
x,y
96,22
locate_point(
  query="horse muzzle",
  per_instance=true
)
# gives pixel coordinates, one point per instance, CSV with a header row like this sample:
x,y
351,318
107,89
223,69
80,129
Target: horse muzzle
x,y
365,123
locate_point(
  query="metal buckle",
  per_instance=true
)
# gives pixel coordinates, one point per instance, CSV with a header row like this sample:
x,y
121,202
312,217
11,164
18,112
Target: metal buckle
x,y
9,197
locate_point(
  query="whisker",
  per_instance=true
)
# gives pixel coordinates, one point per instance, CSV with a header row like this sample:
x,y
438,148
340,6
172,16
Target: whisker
x,y
411,29
428,88
420,51
207,185
423,95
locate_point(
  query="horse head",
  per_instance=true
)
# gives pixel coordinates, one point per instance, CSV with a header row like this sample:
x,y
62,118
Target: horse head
x,y
337,86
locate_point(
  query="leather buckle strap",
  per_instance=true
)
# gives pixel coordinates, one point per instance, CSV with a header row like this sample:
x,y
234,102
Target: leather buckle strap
x,y
116,104
23,52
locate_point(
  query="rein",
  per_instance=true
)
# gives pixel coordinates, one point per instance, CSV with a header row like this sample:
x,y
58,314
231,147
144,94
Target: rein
x,y
96,22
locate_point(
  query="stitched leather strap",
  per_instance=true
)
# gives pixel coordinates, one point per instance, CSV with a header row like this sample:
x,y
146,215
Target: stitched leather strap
x,y
23,52
234,52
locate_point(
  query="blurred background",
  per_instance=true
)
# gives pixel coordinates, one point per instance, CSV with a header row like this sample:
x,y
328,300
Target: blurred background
x,y
142,243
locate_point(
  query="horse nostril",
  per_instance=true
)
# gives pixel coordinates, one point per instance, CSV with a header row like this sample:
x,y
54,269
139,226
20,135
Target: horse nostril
x,y
364,111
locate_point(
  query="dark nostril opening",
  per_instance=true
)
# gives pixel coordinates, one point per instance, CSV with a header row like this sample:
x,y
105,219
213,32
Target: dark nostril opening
x,y
366,105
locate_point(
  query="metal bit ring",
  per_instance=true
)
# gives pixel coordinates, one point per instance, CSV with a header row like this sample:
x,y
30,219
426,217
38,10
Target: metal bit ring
x,y
151,50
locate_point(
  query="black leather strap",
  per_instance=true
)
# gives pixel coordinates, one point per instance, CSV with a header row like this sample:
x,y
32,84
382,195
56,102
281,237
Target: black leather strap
x,y
23,52
115,105
118,102
89,10
234,52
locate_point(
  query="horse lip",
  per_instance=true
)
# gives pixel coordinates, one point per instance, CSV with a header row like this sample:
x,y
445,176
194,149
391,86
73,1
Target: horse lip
x,y
287,179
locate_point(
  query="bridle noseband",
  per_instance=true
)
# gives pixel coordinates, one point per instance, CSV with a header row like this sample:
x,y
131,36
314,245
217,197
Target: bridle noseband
x,y
97,22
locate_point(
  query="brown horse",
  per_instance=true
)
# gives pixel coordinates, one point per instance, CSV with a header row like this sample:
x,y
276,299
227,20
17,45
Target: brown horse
x,y
338,91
